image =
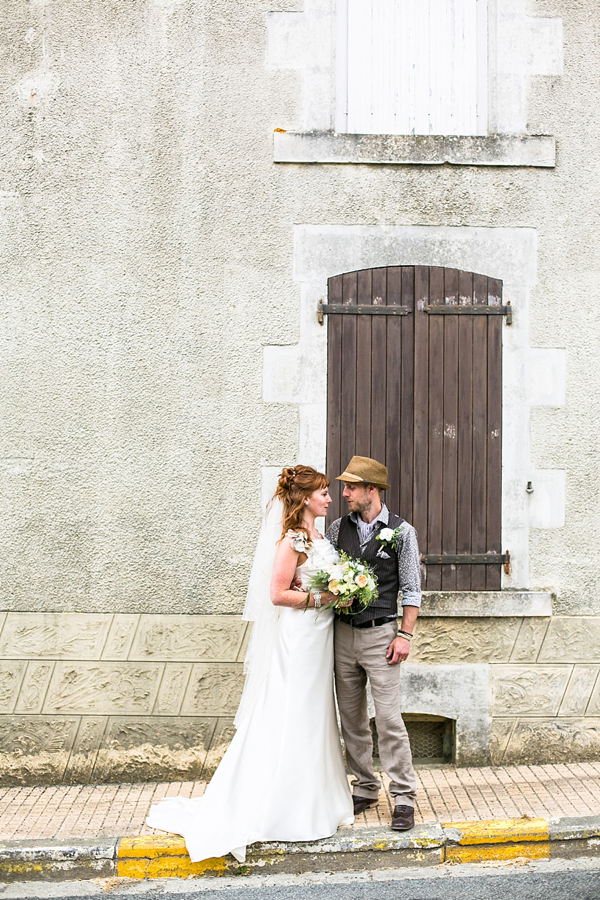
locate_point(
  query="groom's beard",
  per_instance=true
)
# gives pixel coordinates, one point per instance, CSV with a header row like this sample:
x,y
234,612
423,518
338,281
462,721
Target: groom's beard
x,y
358,506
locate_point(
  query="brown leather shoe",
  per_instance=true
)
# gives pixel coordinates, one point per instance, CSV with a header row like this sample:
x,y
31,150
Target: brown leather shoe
x,y
362,803
403,818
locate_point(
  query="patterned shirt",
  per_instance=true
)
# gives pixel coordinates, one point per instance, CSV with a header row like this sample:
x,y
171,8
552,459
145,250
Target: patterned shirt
x,y
409,572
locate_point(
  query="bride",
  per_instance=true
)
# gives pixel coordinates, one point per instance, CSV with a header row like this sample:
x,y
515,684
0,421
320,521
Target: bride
x,y
283,776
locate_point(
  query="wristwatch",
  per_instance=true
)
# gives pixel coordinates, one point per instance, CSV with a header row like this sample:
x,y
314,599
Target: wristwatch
x,y
317,599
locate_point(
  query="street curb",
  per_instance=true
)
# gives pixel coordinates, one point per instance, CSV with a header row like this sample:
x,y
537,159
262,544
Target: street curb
x,y
157,856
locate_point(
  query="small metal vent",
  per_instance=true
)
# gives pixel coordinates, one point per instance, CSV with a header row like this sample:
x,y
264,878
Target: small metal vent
x,y
431,738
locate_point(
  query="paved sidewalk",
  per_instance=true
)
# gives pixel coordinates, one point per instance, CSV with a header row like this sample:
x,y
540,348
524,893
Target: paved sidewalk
x,y
446,794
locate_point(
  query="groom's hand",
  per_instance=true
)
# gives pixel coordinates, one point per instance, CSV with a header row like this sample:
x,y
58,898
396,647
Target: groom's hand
x,y
296,584
398,651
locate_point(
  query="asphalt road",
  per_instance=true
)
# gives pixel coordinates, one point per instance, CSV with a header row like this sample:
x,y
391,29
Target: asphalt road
x,y
575,880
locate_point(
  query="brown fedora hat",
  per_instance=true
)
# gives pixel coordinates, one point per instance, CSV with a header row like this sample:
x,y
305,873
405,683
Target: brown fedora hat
x,y
366,470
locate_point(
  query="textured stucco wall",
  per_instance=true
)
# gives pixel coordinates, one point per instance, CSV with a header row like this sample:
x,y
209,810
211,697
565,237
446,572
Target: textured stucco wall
x,y
146,252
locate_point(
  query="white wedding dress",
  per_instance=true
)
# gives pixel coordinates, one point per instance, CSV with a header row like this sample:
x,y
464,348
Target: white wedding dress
x,y
283,776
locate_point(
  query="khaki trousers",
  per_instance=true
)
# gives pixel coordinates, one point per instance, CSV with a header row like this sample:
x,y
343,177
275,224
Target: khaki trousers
x,y
361,652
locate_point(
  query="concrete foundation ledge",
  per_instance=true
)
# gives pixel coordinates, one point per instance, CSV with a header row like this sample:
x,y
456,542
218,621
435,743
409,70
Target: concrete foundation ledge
x,y
57,860
157,856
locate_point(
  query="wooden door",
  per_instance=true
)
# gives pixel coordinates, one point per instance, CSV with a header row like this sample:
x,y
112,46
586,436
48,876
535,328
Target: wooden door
x,y
415,381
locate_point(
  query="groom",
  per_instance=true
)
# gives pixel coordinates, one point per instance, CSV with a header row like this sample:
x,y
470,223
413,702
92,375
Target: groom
x,y
370,644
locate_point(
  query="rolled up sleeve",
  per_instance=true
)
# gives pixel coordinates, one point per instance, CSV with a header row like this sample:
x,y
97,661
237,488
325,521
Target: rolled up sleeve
x,y
409,571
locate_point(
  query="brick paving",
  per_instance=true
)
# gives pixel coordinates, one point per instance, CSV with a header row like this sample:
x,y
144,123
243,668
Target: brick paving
x,y
445,794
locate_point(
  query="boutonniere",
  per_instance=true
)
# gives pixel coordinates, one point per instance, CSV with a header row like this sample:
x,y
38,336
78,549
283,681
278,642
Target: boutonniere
x,y
390,537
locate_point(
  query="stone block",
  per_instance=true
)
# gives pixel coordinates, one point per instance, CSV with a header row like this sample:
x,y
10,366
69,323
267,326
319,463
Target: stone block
x,y
54,635
547,503
172,689
174,638
578,692
464,640
458,692
529,640
120,636
523,690
214,690
553,740
11,673
500,731
487,604
34,687
103,688
35,749
572,639
154,749
85,749
222,737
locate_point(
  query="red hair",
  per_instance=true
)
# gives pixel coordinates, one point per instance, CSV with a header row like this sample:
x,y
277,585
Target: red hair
x,y
295,485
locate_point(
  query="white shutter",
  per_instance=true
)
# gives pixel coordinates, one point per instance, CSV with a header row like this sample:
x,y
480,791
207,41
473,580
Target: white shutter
x,y
413,67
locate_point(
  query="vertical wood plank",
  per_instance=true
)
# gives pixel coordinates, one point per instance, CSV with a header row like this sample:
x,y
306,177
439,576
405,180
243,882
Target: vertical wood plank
x,y
405,508
393,438
334,397
379,368
479,465
465,430
349,324
450,429
494,436
363,364
436,427
421,410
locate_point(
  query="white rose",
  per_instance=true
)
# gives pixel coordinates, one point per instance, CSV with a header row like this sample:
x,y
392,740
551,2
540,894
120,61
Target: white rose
x,y
386,534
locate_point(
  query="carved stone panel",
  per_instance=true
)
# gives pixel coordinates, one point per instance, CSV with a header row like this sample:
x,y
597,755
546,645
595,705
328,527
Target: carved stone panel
x,y
11,674
35,749
553,740
34,687
529,640
172,689
464,640
214,690
593,708
103,688
528,690
222,737
120,637
53,635
578,691
244,645
572,639
85,749
154,749
500,731
195,638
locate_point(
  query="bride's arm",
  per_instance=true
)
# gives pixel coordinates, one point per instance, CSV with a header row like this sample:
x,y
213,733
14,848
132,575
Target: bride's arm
x,y
284,571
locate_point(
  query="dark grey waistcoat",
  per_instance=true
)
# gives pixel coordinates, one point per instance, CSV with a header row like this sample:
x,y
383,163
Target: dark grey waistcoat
x,y
386,570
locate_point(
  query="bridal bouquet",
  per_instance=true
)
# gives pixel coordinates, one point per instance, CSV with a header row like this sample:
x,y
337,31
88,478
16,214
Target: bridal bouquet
x,y
352,582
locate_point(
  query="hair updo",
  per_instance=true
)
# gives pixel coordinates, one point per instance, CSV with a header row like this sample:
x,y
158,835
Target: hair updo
x,y
295,485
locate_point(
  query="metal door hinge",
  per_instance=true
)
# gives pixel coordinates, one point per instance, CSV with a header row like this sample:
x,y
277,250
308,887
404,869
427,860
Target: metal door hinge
x,y
339,309
482,310
467,559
